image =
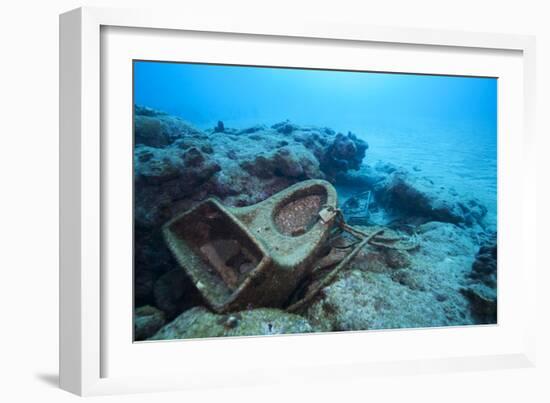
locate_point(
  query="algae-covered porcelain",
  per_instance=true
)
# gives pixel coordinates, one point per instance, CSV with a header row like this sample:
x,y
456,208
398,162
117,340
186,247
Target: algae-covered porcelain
x,y
242,257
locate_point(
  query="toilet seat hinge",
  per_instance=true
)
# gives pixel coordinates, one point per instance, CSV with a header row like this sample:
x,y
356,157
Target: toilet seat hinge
x,y
327,214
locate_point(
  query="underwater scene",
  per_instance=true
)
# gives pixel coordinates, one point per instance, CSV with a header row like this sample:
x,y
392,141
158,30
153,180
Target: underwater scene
x,y
273,200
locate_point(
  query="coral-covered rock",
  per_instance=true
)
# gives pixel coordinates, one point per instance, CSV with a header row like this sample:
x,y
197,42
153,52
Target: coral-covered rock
x,y
163,175
411,196
296,163
483,303
408,279
285,127
149,131
252,129
484,268
140,110
287,163
261,166
426,291
177,165
157,129
157,166
364,300
335,153
199,322
343,154
445,241
482,289
380,259
147,321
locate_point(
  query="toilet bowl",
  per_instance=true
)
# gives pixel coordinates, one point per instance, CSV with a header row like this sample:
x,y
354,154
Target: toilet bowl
x,y
253,256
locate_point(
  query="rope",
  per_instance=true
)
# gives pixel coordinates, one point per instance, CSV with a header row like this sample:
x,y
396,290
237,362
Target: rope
x,y
363,239
330,277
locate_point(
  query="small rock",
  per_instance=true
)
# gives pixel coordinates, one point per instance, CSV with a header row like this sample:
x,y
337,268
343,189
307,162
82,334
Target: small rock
x,y
146,111
147,321
285,127
252,129
483,302
484,268
220,128
343,154
232,321
406,278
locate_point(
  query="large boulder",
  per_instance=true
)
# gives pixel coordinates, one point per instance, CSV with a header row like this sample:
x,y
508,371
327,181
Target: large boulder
x,y
394,194
345,152
362,300
336,153
414,196
424,290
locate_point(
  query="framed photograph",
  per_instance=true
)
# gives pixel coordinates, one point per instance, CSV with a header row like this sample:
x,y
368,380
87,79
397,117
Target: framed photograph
x,y
250,201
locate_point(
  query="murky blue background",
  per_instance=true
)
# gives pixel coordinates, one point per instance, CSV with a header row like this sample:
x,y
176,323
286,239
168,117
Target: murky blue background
x,y
445,127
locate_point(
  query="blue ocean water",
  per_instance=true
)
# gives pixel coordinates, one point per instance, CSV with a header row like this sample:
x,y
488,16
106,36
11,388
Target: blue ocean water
x,y
441,126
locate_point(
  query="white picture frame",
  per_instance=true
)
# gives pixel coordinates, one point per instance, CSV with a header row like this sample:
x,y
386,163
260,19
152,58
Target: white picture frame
x,y
85,309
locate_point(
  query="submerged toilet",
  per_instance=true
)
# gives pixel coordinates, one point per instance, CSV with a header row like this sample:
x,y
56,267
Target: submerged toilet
x,y
253,256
